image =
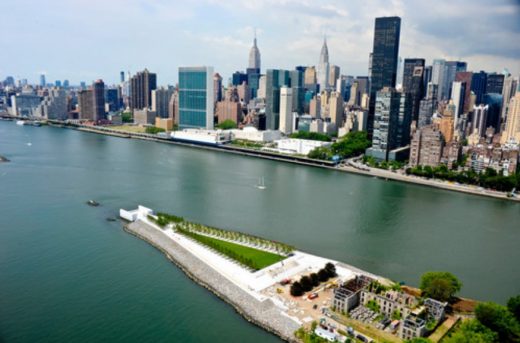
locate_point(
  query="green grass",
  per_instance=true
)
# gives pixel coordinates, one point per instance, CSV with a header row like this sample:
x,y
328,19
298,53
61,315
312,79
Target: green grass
x,y
250,257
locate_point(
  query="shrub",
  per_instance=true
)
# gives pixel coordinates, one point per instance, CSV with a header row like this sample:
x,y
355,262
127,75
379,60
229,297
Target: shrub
x,y
296,289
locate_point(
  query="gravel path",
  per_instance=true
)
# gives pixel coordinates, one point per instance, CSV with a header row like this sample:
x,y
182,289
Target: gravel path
x,y
262,313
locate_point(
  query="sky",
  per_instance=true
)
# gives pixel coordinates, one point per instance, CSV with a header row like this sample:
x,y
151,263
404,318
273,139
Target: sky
x,y
84,40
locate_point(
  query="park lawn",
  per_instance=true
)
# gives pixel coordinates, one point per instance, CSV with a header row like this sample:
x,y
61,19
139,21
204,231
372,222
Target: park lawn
x,y
259,258
129,128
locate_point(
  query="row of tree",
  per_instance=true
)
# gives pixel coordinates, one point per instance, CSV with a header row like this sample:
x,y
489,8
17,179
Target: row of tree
x,y
213,244
239,237
308,282
352,144
315,136
489,178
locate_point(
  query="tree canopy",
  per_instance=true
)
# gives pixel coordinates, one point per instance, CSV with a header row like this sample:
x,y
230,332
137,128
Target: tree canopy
x,y
514,307
441,286
471,331
498,319
227,125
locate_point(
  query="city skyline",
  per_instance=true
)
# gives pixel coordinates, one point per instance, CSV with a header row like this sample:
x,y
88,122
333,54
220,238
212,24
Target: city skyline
x,y
221,35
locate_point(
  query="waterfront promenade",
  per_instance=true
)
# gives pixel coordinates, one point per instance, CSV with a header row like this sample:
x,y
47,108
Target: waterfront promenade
x,y
262,312
366,171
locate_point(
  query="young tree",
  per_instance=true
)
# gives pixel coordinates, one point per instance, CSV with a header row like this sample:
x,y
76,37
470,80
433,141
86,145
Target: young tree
x,y
331,269
296,289
323,275
315,279
441,286
306,283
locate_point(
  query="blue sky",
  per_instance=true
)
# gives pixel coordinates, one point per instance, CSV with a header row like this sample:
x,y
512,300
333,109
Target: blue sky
x,y
90,39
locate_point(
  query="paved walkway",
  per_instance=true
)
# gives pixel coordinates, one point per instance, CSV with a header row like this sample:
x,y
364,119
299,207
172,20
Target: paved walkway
x,y
263,313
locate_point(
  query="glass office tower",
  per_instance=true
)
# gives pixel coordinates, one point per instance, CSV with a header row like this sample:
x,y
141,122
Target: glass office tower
x,y
196,97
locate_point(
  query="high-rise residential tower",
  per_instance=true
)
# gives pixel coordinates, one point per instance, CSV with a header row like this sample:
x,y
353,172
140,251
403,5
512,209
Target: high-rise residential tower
x,y
141,88
98,92
286,114
384,60
196,103
512,129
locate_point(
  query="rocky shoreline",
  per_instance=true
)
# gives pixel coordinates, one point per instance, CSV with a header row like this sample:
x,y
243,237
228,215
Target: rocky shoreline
x,y
264,314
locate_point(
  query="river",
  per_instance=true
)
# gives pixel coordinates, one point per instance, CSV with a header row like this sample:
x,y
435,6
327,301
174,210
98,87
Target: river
x,y
68,274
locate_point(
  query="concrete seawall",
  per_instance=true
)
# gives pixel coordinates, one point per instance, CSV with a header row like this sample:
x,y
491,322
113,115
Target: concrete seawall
x,y
265,314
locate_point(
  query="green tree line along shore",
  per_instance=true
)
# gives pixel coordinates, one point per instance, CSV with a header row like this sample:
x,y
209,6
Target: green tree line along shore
x,y
350,145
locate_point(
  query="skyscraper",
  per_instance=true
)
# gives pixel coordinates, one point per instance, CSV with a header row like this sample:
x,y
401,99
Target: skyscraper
x,y
512,129
141,88
427,106
451,69
86,104
286,117
254,56
42,80
384,60
196,101
465,77
386,122
323,69
438,68
217,87
98,93
494,83
122,76
160,101
413,71
275,79
478,85
334,71
458,92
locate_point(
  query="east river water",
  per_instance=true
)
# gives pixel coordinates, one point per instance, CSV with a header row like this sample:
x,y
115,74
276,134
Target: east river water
x,y
69,275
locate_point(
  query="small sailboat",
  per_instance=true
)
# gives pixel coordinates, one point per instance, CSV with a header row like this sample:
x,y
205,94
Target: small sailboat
x,y
261,183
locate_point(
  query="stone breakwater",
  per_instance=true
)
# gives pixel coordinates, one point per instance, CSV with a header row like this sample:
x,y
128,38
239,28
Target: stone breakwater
x,y
265,313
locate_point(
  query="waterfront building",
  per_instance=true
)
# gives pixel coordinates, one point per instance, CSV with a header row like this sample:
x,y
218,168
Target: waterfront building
x,y
112,100
98,97
323,69
348,295
86,104
164,123
426,147
229,108
141,86
53,105
392,113
250,133
160,100
144,117
508,91
512,128
24,104
196,102
208,137
286,113
298,146
384,60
